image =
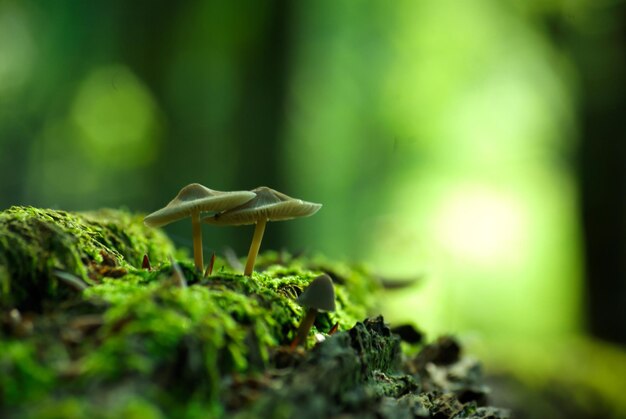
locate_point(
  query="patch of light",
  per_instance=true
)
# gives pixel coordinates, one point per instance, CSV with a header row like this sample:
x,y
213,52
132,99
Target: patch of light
x,y
480,225
116,116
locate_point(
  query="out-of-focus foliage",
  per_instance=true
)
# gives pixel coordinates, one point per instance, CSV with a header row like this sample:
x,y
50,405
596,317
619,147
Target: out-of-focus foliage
x,y
445,124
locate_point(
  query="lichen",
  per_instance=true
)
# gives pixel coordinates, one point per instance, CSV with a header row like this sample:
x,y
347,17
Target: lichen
x,y
356,373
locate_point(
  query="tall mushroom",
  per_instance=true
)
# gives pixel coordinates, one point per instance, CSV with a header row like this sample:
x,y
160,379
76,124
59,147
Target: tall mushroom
x,y
190,202
319,295
267,205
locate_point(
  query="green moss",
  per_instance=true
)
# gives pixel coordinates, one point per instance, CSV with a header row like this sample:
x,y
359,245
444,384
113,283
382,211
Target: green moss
x,y
133,329
36,243
22,375
127,405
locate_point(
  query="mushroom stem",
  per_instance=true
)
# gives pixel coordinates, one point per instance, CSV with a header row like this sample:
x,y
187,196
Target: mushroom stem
x,y
305,326
197,240
255,246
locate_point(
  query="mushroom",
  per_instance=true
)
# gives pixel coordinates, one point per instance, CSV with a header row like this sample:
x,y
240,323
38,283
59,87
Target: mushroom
x,y
190,201
319,295
267,205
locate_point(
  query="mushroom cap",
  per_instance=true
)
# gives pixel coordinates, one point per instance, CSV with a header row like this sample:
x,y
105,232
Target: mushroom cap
x,y
195,197
268,204
320,294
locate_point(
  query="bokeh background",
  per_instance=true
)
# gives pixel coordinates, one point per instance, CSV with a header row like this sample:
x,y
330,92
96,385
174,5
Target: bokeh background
x,y
476,146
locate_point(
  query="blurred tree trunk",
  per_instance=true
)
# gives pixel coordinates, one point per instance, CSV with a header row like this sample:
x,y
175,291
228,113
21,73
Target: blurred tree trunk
x,y
262,110
599,53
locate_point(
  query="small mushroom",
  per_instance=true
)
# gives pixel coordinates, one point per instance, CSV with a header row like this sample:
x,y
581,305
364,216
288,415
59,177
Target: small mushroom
x,y
319,295
190,202
267,205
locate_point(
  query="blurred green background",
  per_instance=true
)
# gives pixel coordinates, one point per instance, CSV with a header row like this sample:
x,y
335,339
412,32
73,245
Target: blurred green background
x,y
477,145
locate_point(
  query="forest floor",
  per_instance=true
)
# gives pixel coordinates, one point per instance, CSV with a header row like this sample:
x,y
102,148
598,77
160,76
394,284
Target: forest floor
x,y
86,330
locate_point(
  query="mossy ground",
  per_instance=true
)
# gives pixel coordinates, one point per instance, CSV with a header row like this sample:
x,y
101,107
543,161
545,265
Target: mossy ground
x,y
76,348
86,332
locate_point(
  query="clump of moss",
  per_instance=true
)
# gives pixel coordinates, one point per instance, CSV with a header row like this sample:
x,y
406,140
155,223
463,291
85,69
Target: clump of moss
x,y
38,244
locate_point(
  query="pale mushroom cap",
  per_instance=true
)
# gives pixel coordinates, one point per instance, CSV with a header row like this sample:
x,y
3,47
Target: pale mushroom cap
x,y
268,204
195,197
320,294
